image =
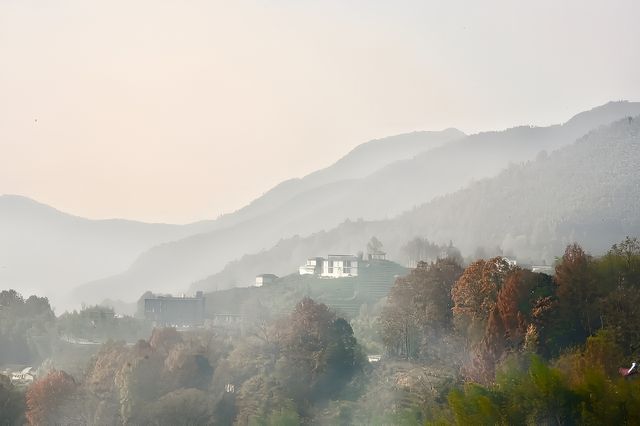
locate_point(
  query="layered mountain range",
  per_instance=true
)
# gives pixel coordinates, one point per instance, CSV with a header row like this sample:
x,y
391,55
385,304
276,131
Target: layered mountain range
x,y
587,192
526,189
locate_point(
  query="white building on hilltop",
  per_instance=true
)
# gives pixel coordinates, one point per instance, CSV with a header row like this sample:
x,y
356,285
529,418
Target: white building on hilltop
x,y
265,279
312,267
340,265
334,266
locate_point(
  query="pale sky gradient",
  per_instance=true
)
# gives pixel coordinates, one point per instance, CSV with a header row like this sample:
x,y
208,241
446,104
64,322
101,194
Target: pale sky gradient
x,y
179,110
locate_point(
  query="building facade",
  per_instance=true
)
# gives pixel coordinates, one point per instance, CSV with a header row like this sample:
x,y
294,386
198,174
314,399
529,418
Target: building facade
x,y
313,266
175,311
334,266
263,279
340,265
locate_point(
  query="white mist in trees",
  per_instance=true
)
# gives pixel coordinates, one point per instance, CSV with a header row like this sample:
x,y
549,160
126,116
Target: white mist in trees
x,y
418,309
420,249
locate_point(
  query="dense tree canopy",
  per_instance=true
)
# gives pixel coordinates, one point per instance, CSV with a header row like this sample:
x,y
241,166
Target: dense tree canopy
x,y
25,327
419,308
12,403
475,294
46,398
492,343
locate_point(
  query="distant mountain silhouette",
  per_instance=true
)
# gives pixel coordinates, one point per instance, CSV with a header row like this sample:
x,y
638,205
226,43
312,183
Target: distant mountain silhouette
x,y
50,252
588,192
360,162
324,199
274,215
45,250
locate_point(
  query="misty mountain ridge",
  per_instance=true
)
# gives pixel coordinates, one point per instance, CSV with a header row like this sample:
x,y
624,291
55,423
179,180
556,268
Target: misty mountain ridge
x,y
360,162
378,179
389,191
70,250
198,255
587,192
45,249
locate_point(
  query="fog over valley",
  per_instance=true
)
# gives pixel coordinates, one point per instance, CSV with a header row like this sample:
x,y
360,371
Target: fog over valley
x,y
340,239
319,213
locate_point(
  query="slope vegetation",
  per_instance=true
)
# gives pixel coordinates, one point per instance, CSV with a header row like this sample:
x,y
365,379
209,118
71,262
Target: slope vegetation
x,y
588,192
391,190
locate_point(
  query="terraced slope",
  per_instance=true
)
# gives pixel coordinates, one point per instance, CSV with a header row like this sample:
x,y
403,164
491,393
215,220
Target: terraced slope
x,y
343,295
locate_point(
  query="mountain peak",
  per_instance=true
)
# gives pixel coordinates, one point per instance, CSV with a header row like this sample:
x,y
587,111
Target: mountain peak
x,y
605,114
21,203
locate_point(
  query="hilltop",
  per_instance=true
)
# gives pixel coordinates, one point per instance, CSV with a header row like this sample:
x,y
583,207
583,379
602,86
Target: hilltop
x,y
47,251
343,295
588,191
395,188
294,206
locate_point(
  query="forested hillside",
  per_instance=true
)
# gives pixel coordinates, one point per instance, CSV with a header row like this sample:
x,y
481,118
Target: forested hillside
x,y
389,191
486,343
70,250
588,191
287,209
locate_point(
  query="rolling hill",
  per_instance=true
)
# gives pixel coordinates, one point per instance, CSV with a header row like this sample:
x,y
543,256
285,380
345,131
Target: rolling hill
x,y
391,190
587,192
50,252
343,295
47,251
283,211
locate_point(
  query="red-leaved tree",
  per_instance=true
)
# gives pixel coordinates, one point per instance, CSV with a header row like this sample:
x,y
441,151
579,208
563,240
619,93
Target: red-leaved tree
x,y
47,395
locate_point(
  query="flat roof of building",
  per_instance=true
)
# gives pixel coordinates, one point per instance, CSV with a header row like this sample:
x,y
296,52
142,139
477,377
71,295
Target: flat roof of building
x,y
169,297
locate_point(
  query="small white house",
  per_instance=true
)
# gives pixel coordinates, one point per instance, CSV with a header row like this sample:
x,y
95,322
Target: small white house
x,y
374,358
26,376
334,266
265,279
340,265
313,266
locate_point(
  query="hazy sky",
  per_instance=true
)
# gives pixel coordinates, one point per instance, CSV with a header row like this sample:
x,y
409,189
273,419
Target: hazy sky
x,y
180,110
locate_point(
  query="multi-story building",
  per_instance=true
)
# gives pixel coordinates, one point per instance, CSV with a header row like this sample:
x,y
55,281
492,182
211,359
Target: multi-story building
x,y
175,311
340,265
334,266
